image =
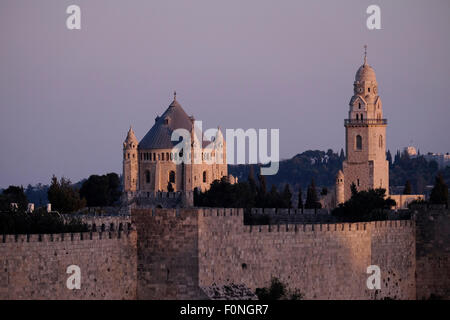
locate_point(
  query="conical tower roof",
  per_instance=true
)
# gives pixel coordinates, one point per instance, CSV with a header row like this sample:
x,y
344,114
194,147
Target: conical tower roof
x,y
159,136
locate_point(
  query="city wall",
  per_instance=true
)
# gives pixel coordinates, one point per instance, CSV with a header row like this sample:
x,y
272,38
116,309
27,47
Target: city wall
x,y
35,266
179,253
433,254
181,250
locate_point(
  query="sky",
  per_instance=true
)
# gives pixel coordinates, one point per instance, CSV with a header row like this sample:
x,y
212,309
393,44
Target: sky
x,y
68,97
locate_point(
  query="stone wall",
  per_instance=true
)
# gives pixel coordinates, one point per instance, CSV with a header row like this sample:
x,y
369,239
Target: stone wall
x,y
35,266
182,250
167,253
176,253
323,261
433,253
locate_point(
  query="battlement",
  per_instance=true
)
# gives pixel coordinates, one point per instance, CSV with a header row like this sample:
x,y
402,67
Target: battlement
x,y
329,227
63,237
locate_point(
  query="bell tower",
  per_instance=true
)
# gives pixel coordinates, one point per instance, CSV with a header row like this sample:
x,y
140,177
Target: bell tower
x,y
365,136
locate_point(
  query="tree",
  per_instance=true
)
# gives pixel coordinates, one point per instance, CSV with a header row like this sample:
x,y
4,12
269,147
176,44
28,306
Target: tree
x,y
365,206
312,202
389,157
408,188
342,155
300,199
353,189
324,191
286,196
261,192
14,194
101,190
439,194
63,197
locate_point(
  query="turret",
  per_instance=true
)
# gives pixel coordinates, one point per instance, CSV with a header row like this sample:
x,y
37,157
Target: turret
x,y
130,162
340,196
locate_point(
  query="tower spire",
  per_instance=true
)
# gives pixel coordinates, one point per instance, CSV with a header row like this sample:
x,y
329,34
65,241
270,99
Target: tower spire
x,y
365,54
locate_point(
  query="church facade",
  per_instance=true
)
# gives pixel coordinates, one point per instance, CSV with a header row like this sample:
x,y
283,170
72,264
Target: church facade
x,y
151,165
365,165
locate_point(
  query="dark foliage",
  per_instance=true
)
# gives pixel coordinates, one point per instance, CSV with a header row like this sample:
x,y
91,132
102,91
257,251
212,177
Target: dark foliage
x,y
13,194
38,222
439,194
243,195
408,188
277,291
323,167
299,170
368,205
63,197
312,201
100,191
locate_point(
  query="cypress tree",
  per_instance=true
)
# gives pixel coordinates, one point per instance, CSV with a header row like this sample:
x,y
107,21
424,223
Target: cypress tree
x,y
439,194
311,196
287,195
408,188
300,198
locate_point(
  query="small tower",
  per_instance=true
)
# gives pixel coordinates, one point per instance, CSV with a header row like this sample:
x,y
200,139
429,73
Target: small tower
x,y
340,196
130,162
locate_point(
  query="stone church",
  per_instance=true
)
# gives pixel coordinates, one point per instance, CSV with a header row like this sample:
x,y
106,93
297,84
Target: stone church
x,y
365,138
150,166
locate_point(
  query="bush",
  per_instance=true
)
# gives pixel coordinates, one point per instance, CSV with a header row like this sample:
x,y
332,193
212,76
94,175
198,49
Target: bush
x,y
277,291
38,222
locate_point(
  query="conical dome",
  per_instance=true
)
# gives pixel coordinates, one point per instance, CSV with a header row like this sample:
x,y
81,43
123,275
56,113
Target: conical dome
x,y
130,140
159,136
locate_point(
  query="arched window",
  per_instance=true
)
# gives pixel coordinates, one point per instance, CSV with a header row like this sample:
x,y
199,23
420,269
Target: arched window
x,y
172,176
204,176
380,141
147,176
359,105
357,116
362,117
358,142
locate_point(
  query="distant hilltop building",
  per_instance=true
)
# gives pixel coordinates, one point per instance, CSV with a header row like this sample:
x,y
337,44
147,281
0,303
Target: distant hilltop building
x,y
411,151
442,160
148,166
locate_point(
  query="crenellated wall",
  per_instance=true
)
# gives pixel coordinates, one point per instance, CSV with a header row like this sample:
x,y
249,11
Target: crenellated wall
x,y
35,266
174,253
179,250
323,261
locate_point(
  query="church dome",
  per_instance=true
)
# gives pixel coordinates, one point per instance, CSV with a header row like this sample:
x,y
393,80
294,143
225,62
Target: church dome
x,y
159,136
365,73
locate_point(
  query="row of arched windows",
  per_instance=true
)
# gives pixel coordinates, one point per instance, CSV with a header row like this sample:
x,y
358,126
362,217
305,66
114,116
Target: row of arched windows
x,y
153,156
172,176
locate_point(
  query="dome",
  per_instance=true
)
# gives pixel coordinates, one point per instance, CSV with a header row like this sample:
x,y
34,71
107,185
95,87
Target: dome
x,y
159,136
365,73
